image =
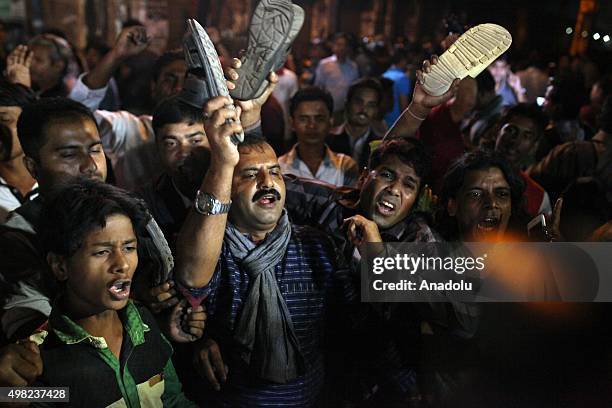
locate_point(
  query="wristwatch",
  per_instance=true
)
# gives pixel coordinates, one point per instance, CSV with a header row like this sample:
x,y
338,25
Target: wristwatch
x,y
207,204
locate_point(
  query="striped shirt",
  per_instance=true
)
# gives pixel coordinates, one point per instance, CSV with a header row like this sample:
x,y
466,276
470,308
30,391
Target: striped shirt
x,y
313,281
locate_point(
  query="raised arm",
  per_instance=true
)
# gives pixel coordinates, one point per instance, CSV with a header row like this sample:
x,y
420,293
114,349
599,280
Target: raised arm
x,y
131,41
420,106
200,239
18,66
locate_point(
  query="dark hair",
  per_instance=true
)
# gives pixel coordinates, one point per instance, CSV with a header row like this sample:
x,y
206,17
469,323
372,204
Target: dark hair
x,y
254,140
585,208
132,22
172,110
15,94
311,94
398,56
56,32
568,95
73,210
98,44
365,83
485,82
455,176
410,151
528,110
503,58
36,116
386,84
165,59
344,35
6,142
60,48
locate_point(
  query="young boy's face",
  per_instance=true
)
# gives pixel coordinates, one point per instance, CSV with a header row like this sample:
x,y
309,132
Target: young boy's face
x,y
99,274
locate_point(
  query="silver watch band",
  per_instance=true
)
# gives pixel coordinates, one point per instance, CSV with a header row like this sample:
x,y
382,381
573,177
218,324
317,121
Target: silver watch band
x,y
208,204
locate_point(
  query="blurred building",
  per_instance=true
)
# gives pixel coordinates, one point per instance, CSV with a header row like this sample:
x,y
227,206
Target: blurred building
x,y
416,20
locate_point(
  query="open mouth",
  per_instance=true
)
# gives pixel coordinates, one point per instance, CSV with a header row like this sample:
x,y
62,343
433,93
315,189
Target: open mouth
x,y
120,289
488,224
267,200
385,207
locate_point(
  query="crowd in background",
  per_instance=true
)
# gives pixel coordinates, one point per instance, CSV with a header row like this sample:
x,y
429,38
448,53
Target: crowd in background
x,y
523,138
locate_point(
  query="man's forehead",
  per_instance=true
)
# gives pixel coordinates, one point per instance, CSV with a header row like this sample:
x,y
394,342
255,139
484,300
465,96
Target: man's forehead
x,y
482,177
118,226
400,167
182,128
366,93
71,130
312,107
257,156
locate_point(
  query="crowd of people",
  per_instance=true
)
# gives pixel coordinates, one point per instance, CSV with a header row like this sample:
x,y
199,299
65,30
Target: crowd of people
x,y
147,260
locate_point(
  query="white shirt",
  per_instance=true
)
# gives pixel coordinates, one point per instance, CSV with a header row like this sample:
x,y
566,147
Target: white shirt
x,y
336,77
10,198
128,140
336,168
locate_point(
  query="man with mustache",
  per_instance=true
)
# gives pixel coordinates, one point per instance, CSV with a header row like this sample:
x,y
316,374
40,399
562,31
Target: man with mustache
x,y
184,153
268,285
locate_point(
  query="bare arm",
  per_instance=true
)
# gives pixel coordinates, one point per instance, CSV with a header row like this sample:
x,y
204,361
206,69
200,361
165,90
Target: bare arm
x,y
131,41
200,239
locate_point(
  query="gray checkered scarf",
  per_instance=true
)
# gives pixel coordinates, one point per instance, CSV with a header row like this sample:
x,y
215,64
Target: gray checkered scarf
x,y
264,330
